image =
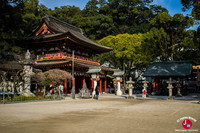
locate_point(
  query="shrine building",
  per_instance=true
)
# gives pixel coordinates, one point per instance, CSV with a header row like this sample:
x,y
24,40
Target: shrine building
x,y
55,42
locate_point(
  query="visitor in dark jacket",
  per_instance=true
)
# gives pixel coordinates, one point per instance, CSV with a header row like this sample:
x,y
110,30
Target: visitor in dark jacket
x,y
97,93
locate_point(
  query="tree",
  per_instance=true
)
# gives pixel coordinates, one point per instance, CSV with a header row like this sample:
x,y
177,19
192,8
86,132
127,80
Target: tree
x,y
91,8
195,5
128,16
95,27
167,35
55,76
58,76
66,13
31,16
126,50
10,24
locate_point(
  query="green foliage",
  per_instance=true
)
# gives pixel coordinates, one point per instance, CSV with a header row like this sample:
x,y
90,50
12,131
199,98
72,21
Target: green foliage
x,y
164,35
66,13
127,17
95,27
156,43
167,36
10,23
195,5
127,49
25,98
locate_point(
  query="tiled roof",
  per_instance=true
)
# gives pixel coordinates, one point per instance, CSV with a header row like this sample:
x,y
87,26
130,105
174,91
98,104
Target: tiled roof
x,y
60,29
168,69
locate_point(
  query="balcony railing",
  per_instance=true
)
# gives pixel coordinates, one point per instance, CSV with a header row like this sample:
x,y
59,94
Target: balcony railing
x,y
63,55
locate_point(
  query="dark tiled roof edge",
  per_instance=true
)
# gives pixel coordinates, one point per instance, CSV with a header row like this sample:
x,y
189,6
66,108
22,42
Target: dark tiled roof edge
x,y
60,21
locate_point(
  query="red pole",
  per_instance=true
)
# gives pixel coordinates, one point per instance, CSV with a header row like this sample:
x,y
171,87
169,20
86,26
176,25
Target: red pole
x,y
105,85
83,79
92,84
100,85
65,86
154,86
53,88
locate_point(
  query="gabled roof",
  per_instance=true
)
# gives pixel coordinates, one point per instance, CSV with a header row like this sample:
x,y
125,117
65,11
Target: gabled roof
x,y
118,73
94,69
59,29
10,62
168,69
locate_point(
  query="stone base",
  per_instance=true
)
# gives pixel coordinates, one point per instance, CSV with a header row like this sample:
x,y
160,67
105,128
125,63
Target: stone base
x,y
153,93
178,95
119,93
93,94
171,97
27,93
131,97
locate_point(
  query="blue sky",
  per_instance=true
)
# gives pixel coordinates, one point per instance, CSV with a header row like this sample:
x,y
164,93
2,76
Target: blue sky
x,y
173,6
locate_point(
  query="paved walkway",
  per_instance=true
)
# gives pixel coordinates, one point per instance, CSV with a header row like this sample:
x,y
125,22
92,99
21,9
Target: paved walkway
x,y
139,96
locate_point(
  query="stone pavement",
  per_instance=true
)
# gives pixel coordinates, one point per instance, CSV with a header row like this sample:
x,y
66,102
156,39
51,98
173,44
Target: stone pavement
x,y
139,96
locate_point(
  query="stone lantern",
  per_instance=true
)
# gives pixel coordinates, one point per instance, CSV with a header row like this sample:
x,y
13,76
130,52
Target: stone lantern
x,y
118,74
130,87
145,85
170,87
178,86
27,73
94,71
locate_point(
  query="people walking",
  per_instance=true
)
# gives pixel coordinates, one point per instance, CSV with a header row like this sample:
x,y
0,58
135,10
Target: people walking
x,y
97,93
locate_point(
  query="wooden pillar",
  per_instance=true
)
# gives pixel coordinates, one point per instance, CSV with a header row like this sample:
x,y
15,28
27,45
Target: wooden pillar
x,y
105,85
154,86
157,85
65,85
100,85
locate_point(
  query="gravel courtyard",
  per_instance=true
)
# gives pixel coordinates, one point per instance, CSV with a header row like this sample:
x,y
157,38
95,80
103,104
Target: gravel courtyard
x,y
107,115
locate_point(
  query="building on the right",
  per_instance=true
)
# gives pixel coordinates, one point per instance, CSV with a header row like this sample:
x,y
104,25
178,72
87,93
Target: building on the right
x,y
174,78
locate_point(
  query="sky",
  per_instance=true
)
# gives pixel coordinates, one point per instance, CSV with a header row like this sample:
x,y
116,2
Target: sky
x,y
173,6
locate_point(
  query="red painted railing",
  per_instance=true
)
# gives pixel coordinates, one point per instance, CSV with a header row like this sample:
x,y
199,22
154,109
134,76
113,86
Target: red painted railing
x,y
63,55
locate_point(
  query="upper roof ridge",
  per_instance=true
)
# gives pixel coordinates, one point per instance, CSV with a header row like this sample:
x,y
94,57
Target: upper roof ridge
x,y
63,22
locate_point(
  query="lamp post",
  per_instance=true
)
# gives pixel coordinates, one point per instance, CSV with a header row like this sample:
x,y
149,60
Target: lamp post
x,y
145,88
94,71
170,87
130,87
178,86
118,74
95,77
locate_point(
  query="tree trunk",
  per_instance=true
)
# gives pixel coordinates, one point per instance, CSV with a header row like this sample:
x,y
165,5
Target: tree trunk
x,y
15,88
4,87
44,90
172,54
36,91
59,92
